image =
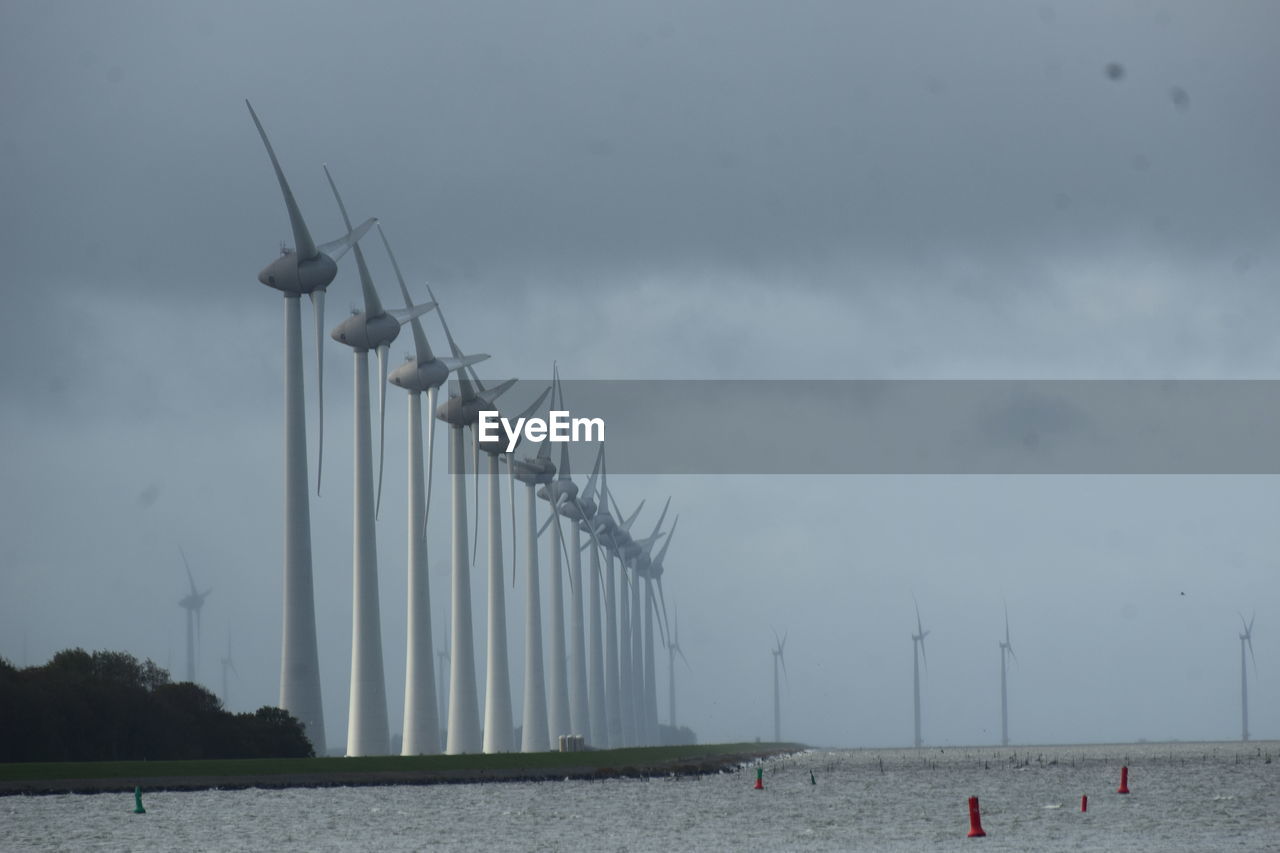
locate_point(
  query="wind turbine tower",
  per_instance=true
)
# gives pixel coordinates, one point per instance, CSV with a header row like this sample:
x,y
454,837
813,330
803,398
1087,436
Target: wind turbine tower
x,y
368,731
309,269
538,471
1006,651
460,411
777,695
193,602
1245,639
917,647
499,730
421,372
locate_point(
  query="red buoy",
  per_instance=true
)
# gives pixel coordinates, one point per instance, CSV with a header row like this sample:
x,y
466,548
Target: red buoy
x,y
1084,802
1124,781
759,779
975,819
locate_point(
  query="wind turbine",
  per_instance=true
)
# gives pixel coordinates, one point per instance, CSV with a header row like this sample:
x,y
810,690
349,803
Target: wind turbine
x,y
620,542
673,649
583,510
534,472
420,372
603,530
309,269
777,695
227,664
644,692
459,411
637,553
499,731
1245,639
1006,651
917,647
193,602
567,504
652,570
559,716
368,731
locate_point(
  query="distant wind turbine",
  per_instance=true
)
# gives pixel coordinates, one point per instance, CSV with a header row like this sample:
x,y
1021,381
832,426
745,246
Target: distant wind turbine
x,y
673,649
777,694
1006,651
917,648
1245,639
192,603
227,665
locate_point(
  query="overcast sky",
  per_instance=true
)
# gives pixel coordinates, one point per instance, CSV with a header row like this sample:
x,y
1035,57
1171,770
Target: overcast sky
x,y
712,190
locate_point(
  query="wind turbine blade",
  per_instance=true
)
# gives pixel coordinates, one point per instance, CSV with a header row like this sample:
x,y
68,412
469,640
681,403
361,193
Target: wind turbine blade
x,y
431,446
372,305
466,390
546,524
404,288
382,422
452,364
511,481
413,312
475,470
650,604
317,308
498,390
662,614
555,516
665,545
536,403
303,245
626,525
337,248
590,489
654,535
190,578
421,348
559,394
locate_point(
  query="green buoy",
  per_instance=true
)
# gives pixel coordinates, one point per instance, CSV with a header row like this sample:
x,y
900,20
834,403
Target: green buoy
x,y
137,800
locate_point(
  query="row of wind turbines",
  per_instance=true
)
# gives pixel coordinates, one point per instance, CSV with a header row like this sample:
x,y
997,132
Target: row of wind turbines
x,y
1006,652
598,679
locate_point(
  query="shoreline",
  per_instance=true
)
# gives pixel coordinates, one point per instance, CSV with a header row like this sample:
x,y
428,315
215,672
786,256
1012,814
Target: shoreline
x,y
478,769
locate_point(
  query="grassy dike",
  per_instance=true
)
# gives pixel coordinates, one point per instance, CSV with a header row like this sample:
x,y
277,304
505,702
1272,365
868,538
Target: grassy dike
x,y
103,776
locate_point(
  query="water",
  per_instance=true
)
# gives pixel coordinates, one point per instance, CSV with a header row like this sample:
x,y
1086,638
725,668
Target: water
x,y
1185,797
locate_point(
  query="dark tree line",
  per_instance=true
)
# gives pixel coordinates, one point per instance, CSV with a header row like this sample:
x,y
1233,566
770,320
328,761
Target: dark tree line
x,y
108,706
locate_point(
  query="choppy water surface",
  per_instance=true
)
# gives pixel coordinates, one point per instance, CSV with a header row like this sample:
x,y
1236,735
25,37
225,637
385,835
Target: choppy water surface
x,y
1184,797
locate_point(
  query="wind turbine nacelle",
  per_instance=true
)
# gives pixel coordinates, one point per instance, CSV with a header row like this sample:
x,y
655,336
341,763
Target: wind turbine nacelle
x,y
459,412
562,489
412,376
361,332
604,525
288,274
497,445
534,471
580,510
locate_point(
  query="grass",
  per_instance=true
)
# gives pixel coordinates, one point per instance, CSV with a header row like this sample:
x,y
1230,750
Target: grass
x,y
639,757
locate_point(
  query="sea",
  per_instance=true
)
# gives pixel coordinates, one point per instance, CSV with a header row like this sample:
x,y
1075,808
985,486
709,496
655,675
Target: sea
x,y
1182,797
